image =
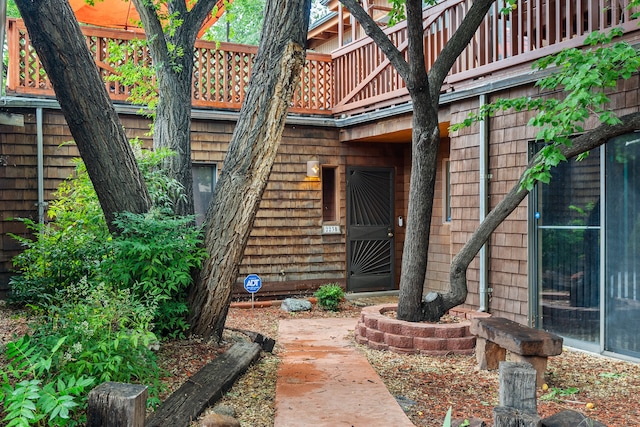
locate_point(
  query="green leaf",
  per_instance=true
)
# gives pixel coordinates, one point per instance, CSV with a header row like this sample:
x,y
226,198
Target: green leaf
x,y
447,419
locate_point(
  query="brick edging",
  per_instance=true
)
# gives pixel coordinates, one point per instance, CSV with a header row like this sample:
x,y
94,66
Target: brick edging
x,y
381,332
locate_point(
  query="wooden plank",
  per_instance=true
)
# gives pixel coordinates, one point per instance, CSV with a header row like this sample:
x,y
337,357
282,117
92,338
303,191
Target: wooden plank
x,y
10,119
205,387
518,387
517,338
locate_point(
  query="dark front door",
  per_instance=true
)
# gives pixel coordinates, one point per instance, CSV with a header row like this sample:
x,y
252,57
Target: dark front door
x,y
370,227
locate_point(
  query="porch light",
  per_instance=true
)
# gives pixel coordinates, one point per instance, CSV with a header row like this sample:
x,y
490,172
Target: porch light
x,y
313,169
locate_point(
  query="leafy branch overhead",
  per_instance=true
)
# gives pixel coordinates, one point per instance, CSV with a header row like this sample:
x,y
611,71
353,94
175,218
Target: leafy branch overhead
x,y
580,79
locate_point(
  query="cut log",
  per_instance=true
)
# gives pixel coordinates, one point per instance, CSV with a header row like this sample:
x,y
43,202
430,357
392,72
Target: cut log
x,y
205,387
509,417
117,404
518,386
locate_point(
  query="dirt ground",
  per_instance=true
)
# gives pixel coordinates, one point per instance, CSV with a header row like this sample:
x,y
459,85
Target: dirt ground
x,y
605,389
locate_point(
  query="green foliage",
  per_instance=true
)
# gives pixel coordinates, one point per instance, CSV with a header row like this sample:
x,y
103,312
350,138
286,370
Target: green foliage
x,y
154,254
447,419
12,9
165,192
66,250
241,23
584,76
611,375
133,66
98,334
329,296
555,393
398,11
130,70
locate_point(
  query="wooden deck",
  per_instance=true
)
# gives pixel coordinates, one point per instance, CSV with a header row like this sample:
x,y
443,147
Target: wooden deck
x,y
357,77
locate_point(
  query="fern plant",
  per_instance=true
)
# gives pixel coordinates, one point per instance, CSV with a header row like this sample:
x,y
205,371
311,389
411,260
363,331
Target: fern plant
x,y
37,396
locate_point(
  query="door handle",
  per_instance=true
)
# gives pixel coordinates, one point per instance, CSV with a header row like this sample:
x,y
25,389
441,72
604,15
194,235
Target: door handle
x,y
390,234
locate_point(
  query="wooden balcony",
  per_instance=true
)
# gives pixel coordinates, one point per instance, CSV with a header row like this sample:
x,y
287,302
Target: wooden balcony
x,y
356,77
536,28
220,75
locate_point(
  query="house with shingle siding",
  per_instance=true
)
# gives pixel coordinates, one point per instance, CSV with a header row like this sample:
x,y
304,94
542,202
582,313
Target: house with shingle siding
x,y
566,260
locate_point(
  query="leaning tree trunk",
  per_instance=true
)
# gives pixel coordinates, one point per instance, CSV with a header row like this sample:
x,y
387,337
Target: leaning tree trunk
x,y
173,56
249,160
458,272
92,119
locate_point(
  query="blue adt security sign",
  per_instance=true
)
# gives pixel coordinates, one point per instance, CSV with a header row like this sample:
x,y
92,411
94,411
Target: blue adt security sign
x,y
252,283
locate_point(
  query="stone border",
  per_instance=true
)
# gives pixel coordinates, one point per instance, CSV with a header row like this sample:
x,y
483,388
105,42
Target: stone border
x,y
381,332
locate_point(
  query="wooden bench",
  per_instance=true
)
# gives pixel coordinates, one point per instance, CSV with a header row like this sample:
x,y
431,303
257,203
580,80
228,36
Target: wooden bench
x,y
497,336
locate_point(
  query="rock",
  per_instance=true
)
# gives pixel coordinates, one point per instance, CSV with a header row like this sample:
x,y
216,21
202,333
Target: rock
x,y
218,420
569,418
405,403
295,304
224,410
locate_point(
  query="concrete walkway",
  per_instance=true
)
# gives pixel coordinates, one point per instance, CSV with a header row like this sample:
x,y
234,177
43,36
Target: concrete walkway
x,y
324,381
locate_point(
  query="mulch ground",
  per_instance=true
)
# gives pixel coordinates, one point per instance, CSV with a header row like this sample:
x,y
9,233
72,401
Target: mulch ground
x,y
604,389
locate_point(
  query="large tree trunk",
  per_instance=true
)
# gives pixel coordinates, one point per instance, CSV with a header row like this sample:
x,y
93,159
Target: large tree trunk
x,y
424,89
458,273
172,53
92,119
249,160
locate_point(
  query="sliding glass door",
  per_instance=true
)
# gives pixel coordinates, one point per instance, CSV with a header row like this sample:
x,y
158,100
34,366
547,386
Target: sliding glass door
x,y
622,242
586,249
567,235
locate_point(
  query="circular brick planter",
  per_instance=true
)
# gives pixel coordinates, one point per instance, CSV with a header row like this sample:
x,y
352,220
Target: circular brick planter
x,y
381,332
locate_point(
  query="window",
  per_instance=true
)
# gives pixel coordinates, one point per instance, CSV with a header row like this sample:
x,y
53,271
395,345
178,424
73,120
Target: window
x,y
329,194
446,191
204,183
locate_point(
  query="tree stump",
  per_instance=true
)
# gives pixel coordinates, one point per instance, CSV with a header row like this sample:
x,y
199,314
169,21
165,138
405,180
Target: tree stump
x,y
518,405
518,386
509,417
117,405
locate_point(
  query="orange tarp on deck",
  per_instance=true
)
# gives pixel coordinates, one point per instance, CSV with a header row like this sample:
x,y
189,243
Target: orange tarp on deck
x,y
122,14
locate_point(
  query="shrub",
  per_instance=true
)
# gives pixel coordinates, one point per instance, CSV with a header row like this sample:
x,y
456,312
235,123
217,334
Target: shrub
x,y
154,255
329,296
98,334
64,251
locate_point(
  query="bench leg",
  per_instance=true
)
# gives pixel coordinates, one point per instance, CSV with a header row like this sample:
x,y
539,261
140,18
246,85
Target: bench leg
x,y
539,363
489,354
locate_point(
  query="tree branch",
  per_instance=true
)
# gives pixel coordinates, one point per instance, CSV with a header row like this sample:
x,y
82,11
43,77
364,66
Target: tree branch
x,y
583,143
379,37
415,50
194,19
456,44
153,30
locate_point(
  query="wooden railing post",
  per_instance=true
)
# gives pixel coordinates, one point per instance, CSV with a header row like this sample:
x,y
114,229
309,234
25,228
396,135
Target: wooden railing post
x,y
117,405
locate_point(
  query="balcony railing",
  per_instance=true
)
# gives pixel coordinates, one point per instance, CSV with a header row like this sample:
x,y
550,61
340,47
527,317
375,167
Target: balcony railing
x,y
357,77
536,28
220,78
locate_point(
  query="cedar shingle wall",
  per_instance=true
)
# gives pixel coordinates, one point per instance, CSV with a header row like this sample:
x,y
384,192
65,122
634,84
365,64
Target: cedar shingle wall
x,y
287,235
439,258
18,174
508,244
